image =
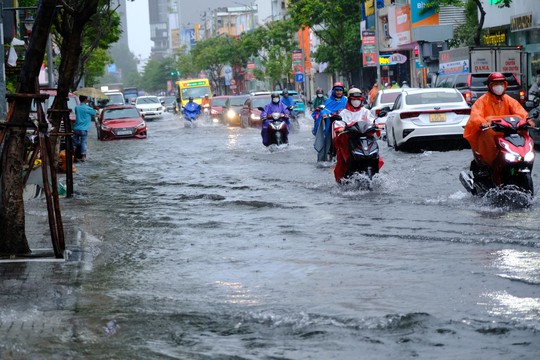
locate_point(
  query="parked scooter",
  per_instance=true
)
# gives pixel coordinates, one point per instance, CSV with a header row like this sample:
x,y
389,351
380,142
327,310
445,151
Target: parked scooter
x,y
513,164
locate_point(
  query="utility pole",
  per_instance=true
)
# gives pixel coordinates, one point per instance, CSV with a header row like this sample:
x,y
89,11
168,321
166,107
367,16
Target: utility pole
x,y
377,44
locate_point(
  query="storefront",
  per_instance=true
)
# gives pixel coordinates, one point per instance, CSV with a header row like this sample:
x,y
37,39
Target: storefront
x,y
524,32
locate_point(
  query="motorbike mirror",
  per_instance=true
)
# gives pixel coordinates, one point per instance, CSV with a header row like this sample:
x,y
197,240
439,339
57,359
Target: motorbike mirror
x,y
529,104
382,113
260,108
533,114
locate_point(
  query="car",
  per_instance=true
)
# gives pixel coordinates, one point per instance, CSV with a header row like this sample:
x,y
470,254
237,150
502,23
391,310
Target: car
x,y
149,106
472,86
250,114
428,117
232,114
384,98
219,103
115,98
170,104
120,122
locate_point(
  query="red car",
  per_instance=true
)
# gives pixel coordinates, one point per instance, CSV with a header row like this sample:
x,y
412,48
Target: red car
x,y
218,104
120,122
250,114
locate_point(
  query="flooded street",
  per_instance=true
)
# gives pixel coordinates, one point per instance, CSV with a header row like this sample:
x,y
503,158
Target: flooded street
x,y
202,244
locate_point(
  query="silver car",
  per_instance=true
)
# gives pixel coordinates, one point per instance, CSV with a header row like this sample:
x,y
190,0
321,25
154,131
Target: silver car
x,y
427,117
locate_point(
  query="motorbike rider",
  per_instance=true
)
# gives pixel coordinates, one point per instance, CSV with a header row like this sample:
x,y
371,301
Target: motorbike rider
x,y
373,94
266,115
192,110
353,112
287,100
318,100
323,134
206,101
493,103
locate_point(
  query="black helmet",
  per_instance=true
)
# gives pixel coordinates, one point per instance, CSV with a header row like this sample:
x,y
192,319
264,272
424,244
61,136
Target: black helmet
x,y
285,91
190,98
319,91
274,95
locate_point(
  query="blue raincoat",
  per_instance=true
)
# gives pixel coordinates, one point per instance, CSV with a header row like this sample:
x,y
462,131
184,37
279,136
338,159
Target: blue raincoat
x,y
269,109
191,110
323,134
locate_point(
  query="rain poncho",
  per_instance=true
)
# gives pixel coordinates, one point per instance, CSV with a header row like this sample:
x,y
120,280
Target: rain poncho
x,y
483,142
191,110
268,110
323,134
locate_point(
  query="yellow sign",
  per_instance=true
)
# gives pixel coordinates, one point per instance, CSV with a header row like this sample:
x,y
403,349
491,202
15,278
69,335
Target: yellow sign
x,y
521,22
495,39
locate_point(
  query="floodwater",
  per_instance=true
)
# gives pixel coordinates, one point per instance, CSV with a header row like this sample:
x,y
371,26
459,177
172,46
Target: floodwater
x,y
202,244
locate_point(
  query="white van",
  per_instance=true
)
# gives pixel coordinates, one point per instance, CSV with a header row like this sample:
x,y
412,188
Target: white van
x,y
115,98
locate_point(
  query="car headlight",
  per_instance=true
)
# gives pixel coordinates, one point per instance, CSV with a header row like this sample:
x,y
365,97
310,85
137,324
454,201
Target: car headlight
x,y
105,127
255,117
512,157
231,113
529,157
214,112
141,125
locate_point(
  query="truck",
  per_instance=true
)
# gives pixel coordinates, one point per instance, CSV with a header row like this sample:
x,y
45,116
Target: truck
x,y
467,69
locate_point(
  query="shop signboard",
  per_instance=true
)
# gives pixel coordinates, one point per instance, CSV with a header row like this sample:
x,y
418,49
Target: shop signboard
x,y
369,51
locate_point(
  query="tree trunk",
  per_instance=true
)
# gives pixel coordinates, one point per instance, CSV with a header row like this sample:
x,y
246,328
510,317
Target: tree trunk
x,y
478,34
12,215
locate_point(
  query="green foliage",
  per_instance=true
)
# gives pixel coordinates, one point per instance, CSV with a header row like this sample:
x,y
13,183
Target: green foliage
x,y
338,28
156,74
464,34
185,63
97,61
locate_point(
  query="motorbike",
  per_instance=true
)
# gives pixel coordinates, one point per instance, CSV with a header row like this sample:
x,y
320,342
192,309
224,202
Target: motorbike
x,y
277,130
513,164
189,118
360,149
206,114
293,118
322,130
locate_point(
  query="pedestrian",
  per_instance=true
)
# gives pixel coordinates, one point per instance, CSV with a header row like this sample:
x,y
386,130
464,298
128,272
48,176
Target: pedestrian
x,y
405,84
83,119
394,85
373,94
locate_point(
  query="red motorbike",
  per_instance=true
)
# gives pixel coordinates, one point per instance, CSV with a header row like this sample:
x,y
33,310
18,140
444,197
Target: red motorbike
x,y
514,161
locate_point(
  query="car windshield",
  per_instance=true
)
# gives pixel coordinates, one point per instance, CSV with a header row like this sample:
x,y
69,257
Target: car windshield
x,y
169,100
115,99
124,113
238,100
389,98
427,98
260,102
219,101
147,100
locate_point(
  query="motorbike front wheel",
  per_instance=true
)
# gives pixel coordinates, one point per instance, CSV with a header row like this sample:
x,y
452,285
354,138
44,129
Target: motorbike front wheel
x,y
523,180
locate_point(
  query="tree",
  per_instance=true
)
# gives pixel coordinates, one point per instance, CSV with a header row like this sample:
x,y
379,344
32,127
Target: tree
x,y
157,72
337,26
436,4
12,215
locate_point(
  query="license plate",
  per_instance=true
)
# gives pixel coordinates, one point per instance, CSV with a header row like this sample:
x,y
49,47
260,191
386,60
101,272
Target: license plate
x,y
437,117
123,132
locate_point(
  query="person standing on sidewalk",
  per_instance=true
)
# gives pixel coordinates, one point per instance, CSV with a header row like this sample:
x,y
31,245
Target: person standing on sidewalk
x,y
83,120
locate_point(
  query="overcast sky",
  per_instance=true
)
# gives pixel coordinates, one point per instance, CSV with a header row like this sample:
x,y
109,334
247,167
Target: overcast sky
x,y
138,25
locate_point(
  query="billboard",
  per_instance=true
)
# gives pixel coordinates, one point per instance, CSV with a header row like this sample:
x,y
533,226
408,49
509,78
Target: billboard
x,y
430,17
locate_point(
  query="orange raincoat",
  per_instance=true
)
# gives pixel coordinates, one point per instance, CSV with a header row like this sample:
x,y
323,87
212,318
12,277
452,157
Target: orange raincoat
x,y
483,142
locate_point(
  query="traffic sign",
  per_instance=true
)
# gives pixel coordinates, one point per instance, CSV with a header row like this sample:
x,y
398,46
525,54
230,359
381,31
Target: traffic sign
x,y
299,77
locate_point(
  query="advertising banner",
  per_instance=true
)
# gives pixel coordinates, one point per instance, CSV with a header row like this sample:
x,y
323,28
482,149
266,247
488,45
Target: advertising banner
x,y
369,51
399,26
430,17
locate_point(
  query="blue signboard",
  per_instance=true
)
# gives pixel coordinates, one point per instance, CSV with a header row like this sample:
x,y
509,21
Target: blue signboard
x,y
299,77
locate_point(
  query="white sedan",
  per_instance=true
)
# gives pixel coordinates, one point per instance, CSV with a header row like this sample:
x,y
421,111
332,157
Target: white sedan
x,y
149,106
426,116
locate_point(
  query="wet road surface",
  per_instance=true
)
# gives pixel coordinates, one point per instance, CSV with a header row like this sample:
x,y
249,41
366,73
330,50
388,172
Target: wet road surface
x,y
202,244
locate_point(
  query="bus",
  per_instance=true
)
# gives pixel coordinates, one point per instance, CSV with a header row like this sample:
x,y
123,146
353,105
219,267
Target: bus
x,y
195,88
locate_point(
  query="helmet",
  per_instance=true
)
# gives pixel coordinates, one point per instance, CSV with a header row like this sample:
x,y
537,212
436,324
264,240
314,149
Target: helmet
x,y
338,85
205,95
319,91
285,91
404,82
274,95
190,98
495,76
354,92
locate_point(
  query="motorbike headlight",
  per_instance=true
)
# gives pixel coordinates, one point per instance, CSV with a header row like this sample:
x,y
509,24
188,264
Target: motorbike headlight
x,y
231,114
255,117
512,157
529,156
